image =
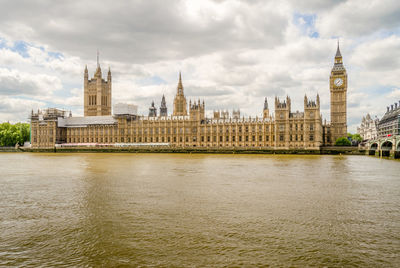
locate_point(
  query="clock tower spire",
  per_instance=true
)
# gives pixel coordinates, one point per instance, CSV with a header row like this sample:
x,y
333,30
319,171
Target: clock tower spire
x,y
338,89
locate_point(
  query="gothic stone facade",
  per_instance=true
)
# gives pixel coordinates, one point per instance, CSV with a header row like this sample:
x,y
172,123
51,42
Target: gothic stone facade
x,y
282,130
97,94
368,129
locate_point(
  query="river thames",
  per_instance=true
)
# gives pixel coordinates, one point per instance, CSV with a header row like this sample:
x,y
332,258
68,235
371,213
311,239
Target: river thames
x,y
198,210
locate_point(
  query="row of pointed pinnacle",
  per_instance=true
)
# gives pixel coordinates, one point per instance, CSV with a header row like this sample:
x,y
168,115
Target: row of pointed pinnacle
x,y
180,86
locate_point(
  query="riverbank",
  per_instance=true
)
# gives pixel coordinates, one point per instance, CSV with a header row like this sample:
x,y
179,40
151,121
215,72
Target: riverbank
x,y
323,150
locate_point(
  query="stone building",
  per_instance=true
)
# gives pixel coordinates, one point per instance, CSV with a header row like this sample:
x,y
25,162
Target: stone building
x,y
389,125
338,98
97,93
368,129
188,125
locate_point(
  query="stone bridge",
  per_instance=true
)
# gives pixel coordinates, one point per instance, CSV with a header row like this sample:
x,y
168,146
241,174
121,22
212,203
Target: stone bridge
x,y
387,146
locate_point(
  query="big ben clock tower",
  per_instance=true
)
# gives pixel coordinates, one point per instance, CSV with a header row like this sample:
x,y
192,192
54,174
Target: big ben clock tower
x,y
338,88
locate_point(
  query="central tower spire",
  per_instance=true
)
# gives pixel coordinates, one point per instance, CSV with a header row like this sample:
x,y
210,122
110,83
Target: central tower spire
x,y
98,63
180,99
180,86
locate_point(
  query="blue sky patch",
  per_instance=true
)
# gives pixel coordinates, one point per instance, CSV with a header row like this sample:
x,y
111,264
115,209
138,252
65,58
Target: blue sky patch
x,y
306,23
21,47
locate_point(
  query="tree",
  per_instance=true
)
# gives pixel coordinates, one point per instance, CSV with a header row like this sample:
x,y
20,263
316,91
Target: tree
x,y
12,134
356,137
342,141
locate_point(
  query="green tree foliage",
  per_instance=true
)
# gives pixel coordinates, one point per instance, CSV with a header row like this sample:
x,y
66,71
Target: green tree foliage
x,y
342,141
354,137
11,134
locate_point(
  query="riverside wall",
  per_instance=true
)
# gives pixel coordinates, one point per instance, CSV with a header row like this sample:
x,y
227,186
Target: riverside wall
x,y
322,150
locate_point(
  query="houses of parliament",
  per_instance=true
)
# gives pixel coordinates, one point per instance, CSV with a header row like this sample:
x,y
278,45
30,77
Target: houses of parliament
x,y
188,125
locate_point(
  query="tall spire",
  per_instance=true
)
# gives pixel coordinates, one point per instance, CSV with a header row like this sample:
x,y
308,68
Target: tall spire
x,y
338,54
163,107
265,104
98,64
98,70
180,86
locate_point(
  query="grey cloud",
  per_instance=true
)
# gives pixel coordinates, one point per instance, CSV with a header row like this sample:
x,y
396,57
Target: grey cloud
x,y
357,18
140,31
381,55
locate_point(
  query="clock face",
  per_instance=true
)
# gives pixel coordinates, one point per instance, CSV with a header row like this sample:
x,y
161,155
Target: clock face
x,y
338,82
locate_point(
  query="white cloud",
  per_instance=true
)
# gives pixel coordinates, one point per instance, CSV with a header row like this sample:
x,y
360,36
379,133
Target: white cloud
x,y
17,110
14,82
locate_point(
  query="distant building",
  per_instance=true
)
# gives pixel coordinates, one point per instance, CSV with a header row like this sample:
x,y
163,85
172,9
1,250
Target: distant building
x,y
368,129
390,122
152,110
125,109
163,107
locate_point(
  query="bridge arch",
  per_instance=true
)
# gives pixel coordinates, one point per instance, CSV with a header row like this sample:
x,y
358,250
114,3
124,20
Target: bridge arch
x,y
373,148
398,146
386,146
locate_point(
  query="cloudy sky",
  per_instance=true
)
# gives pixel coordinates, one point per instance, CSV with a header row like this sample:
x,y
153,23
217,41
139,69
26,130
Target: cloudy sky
x,y
232,53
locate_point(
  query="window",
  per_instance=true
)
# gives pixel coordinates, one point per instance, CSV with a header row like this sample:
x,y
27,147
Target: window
x,y
266,138
311,127
311,137
280,137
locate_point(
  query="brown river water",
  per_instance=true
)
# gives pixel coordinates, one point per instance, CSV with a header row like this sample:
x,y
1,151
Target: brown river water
x,y
180,210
